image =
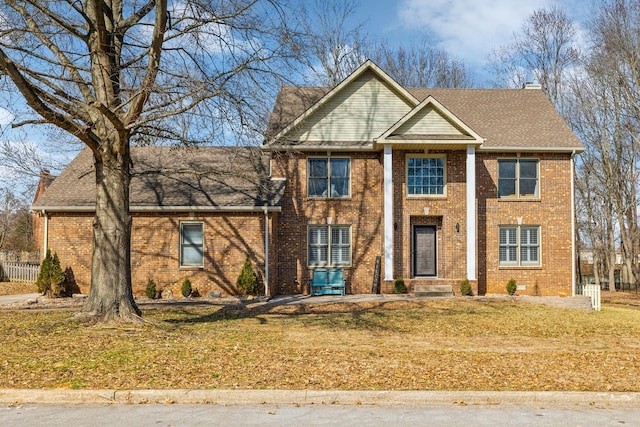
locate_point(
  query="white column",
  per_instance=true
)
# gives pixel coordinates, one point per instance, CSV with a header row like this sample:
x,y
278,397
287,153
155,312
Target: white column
x,y
388,213
471,213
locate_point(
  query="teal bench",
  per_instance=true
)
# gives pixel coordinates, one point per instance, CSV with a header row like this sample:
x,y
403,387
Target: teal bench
x,y
327,281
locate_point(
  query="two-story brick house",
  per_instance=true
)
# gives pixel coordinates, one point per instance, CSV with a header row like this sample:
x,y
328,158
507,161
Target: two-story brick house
x,y
442,184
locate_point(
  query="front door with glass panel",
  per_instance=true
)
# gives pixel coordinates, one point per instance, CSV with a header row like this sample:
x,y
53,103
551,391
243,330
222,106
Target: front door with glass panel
x,y
424,250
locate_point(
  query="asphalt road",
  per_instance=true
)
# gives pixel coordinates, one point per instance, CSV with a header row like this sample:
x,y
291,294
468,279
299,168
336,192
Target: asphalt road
x,y
312,415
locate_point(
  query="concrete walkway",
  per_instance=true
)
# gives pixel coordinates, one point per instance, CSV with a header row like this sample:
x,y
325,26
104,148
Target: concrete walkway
x,y
19,299
36,301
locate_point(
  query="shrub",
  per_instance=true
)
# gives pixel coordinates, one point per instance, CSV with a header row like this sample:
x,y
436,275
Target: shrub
x,y
51,278
465,287
186,287
247,282
512,286
151,289
400,287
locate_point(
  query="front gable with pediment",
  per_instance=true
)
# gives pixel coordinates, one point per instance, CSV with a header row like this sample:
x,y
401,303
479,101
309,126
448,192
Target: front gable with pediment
x,y
361,111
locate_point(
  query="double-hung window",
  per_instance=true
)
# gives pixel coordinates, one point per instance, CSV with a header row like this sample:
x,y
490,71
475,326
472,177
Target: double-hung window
x,y
329,245
328,177
191,244
518,178
426,176
519,245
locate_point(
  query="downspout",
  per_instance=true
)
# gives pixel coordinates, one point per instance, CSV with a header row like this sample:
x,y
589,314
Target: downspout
x,y
45,232
266,252
573,228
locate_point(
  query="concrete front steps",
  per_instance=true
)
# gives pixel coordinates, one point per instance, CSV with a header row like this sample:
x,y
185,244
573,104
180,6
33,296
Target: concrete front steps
x,y
433,290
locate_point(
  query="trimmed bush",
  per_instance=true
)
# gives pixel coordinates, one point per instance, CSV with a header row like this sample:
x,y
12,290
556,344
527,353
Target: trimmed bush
x,y
400,287
186,287
465,288
51,278
247,282
151,289
512,286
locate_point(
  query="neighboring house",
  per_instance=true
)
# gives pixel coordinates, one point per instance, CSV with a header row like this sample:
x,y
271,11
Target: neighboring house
x,y
442,184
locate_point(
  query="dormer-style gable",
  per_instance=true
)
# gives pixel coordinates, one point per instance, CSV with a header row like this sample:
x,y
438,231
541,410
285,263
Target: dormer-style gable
x,y
430,124
352,114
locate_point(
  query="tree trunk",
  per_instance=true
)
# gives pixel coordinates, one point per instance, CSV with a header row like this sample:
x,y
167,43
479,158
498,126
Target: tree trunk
x,y
611,252
111,294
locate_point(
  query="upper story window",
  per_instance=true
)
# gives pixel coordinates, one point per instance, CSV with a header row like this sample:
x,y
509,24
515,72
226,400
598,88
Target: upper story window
x,y
426,175
191,244
329,177
518,178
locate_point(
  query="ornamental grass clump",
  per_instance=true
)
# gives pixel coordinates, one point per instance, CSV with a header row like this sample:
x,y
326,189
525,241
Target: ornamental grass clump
x,y
247,282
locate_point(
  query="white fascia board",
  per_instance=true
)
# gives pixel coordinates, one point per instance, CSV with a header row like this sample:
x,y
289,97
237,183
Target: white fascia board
x,y
277,147
90,209
533,149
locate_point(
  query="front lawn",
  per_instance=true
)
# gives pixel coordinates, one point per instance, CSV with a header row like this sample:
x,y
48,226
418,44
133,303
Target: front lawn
x,y
459,344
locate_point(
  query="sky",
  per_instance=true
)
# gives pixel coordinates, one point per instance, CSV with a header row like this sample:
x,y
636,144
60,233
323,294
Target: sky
x,y
467,29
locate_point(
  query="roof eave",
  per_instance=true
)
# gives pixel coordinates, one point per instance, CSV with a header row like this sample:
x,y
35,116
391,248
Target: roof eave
x,y
292,147
91,209
532,149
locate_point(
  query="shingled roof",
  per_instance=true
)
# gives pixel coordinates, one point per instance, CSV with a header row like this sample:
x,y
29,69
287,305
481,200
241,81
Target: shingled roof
x,y
506,118
170,178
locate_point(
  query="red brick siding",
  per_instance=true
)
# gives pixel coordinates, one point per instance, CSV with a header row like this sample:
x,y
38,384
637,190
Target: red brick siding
x,y
362,211
552,212
228,238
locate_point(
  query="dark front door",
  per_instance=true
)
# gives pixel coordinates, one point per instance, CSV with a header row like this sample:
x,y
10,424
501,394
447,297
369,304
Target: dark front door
x,y
424,250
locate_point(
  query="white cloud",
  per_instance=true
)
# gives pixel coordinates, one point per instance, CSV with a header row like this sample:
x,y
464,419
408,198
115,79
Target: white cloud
x,y
6,117
469,29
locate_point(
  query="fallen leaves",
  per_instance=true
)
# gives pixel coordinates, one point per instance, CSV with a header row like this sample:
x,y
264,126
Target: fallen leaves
x,y
415,345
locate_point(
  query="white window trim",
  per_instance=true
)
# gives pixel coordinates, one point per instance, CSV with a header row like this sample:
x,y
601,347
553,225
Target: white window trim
x,y
328,159
517,196
180,241
329,227
406,175
519,263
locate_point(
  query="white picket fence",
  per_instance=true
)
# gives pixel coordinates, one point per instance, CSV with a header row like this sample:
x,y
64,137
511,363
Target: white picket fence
x,y
592,291
19,271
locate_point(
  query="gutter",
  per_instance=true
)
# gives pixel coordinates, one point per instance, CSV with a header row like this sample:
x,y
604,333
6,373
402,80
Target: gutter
x,y
573,151
90,209
266,252
332,148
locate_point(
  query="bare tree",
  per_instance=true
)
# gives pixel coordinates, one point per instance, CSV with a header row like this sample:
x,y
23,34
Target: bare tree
x,y
544,50
421,65
116,72
334,47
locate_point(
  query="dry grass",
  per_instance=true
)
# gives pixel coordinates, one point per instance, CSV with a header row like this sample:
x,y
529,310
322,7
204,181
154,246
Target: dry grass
x,y
434,345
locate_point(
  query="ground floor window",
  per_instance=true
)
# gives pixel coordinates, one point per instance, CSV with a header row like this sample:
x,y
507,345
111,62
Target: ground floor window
x,y
519,245
329,245
191,244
